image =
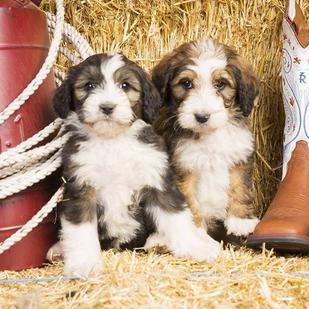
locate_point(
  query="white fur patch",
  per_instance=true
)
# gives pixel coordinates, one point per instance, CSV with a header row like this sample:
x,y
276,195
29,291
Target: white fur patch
x,y
109,67
108,93
204,99
117,168
81,248
211,157
240,226
211,49
178,233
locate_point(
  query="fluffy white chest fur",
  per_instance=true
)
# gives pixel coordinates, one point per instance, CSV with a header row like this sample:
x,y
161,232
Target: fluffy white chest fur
x,y
117,168
211,158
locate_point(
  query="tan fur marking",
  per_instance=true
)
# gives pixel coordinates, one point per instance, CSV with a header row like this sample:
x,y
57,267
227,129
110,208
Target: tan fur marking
x,y
90,73
240,193
229,91
80,93
178,91
134,91
187,186
185,74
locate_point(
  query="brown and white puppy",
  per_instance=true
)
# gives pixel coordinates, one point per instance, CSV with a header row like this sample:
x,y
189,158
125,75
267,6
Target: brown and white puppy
x,y
208,93
119,187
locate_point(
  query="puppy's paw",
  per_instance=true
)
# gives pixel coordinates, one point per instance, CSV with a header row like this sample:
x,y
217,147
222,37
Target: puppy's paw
x,y
240,226
91,266
201,248
157,242
55,253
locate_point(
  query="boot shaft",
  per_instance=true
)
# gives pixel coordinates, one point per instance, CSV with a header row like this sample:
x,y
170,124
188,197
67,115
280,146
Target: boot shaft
x,y
295,80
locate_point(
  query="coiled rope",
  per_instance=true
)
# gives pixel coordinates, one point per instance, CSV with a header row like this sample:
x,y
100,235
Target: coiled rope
x,y
27,163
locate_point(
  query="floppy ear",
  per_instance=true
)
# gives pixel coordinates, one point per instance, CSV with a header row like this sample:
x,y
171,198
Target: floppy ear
x,y
62,99
151,100
162,75
247,84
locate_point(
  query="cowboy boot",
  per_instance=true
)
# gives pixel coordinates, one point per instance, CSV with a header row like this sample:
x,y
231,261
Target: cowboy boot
x,y
285,225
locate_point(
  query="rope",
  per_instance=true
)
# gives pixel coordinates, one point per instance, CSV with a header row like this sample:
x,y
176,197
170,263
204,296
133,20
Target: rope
x,y
33,222
43,72
28,163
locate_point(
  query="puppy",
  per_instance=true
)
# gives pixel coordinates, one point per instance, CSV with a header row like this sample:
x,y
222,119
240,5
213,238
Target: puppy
x,y
119,188
208,93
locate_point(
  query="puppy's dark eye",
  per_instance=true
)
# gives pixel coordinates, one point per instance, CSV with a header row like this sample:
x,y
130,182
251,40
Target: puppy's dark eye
x,y
187,84
220,85
90,86
125,86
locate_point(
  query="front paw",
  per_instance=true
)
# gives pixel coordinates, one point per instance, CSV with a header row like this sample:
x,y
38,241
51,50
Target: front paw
x,y
201,248
240,226
55,253
157,242
92,266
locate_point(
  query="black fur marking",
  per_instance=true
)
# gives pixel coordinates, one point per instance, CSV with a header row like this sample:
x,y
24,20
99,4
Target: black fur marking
x,y
79,202
71,147
246,92
147,135
218,232
170,198
64,99
137,212
151,99
137,110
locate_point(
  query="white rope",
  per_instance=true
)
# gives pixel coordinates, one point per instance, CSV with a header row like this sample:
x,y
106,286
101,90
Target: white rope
x,y
25,159
27,163
45,69
32,141
25,179
72,37
33,222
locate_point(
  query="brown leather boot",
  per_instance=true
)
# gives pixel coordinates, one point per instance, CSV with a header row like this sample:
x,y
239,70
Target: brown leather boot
x,y
285,226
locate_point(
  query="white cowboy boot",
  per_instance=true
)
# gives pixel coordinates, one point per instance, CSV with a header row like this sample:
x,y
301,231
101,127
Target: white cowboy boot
x,y
295,80
285,226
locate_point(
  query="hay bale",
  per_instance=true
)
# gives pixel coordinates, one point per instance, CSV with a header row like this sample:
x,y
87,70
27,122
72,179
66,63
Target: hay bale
x,y
145,30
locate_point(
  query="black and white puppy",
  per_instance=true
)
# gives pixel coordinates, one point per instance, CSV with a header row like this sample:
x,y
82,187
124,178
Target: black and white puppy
x,y
119,187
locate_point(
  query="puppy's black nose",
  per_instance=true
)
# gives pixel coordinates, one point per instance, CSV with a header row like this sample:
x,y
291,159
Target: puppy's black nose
x,y
201,118
107,109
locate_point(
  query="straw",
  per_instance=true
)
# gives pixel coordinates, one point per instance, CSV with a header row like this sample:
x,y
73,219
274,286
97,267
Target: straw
x,y
239,279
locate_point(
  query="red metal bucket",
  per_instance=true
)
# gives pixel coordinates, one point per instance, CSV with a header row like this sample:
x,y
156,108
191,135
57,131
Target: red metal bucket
x,y
24,45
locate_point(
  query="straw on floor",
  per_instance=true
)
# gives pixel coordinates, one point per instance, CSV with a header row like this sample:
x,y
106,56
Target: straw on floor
x,y
240,279
144,30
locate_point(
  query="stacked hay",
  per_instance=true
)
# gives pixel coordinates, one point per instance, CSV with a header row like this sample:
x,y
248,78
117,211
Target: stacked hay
x,y
145,30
